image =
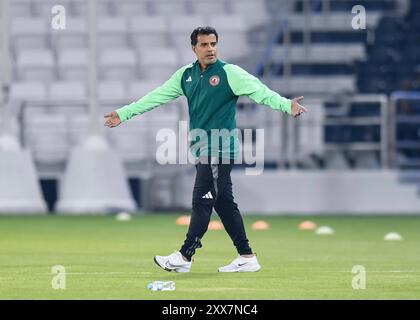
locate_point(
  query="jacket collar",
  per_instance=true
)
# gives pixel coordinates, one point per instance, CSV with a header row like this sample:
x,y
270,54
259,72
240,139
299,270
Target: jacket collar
x,y
209,67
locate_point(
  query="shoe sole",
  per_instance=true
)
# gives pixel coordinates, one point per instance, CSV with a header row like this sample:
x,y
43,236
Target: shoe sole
x,y
240,270
166,269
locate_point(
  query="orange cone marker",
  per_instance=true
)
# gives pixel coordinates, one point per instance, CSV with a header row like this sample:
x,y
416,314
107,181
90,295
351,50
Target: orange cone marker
x,y
183,220
215,225
307,225
260,225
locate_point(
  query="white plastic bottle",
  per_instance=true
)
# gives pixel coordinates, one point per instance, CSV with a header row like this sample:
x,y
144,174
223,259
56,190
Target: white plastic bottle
x,y
161,286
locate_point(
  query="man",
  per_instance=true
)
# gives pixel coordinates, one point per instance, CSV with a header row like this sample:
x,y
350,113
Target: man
x,y
212,88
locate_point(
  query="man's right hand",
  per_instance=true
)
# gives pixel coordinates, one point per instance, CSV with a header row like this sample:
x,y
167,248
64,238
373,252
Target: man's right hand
x,y
112,120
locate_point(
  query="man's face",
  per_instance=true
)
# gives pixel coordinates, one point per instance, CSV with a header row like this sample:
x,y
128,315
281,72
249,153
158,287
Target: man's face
x,y
206,49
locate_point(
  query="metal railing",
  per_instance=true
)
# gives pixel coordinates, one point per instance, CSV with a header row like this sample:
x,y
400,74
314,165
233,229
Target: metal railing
x,y
292,128
394,120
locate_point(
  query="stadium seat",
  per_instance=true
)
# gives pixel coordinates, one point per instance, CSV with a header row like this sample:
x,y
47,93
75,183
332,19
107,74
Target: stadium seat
x,y
314,84
132,8
73,64
181,26
26,95
334,21
186,56
158,64
311,130
75,36
254,12
21,8
335,160
118,64
319,53
27,91
132,140
161,120
112,32
68,91
232,30
111,91
80,8
28,33
43,8
148,31
36,64
213,7
139,89
67,98
228,23
46,136
80,128
366,160
170,8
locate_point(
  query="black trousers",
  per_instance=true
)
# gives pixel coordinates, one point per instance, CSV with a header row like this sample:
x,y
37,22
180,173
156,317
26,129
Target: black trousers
x,y
213,189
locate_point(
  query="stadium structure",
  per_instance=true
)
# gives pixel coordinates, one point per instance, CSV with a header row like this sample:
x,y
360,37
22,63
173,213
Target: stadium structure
x,y
64,64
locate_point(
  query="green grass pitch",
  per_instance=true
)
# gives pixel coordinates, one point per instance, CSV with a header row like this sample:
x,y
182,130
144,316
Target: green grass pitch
x,y
109,259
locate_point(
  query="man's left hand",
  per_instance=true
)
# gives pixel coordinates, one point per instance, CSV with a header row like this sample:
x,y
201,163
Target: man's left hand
x,y
297,109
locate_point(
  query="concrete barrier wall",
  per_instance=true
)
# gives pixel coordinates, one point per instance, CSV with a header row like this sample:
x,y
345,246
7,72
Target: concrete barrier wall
x,y
323,192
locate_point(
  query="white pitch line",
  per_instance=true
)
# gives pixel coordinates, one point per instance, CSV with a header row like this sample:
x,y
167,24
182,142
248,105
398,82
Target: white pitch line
x,y
105,273
85,273
382,271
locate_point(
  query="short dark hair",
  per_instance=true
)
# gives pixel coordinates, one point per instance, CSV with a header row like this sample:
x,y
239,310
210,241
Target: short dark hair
x,y
202,30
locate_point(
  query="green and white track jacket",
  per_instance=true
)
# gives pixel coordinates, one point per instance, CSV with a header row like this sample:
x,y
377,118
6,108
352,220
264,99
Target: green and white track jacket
x,y
212,95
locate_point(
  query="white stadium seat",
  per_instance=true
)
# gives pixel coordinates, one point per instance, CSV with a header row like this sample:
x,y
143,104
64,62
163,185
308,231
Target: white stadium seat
x,y
148,31
118,64
80,127
132,140
254,12
43,8
132,8
170,8
319,53
67,91
27,91
213,7
27,95
158,64
21,8
74,36
139,89
112,32
28,33
36,64
46,136
81,8
331,22
112,91
313,84
186,56
336,160
181,27
228,23
67,98
73,64
232,32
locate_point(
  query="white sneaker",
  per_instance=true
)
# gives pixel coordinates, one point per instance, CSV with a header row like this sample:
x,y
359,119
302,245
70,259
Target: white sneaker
x,y
242,264
173,262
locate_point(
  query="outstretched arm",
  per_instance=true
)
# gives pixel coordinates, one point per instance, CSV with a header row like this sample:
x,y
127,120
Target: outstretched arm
x,y
244,84
169,91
